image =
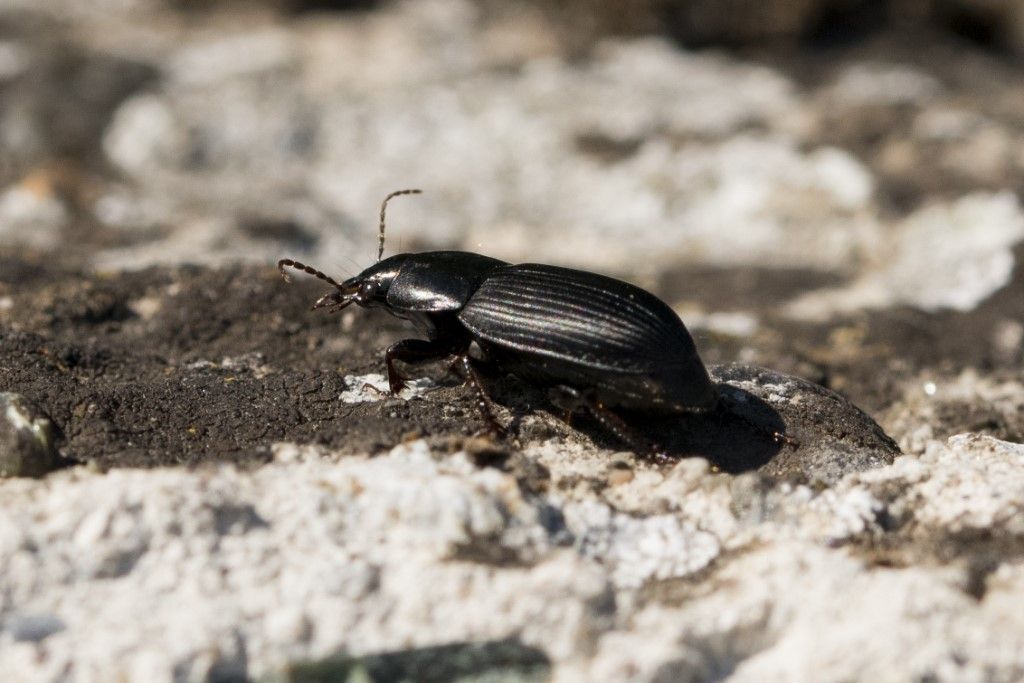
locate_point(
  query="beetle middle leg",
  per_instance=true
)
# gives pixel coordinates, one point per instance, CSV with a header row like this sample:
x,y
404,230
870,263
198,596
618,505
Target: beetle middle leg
x,y
463,364
571,400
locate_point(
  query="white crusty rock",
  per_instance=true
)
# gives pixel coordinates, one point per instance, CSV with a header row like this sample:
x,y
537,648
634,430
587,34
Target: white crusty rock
x,y
374,387
946,255
32,214
935,406
879,83
683,574
643,154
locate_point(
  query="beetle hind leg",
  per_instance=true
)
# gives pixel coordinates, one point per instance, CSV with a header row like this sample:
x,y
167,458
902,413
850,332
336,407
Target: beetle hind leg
x,y
777,437
573,400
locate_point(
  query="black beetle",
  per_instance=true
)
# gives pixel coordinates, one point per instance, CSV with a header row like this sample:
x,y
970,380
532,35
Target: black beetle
x,y
594,342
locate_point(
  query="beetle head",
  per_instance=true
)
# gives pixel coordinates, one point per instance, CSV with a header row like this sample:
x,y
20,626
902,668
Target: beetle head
x,y
368,289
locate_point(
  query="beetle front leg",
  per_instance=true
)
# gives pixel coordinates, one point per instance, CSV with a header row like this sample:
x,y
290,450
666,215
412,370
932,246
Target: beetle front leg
x,y
412,351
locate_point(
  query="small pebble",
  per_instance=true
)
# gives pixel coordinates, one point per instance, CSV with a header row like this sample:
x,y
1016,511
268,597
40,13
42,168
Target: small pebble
x,y
619,477
27,439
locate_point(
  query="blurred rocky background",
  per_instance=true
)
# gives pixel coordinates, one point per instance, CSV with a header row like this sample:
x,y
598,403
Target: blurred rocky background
x,y
827,188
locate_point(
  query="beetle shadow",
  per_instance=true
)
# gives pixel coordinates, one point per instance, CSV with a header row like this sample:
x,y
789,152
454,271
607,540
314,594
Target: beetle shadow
x,y
737,436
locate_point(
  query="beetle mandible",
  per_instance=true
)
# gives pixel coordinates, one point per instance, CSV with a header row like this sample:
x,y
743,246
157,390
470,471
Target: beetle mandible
x,y
593,342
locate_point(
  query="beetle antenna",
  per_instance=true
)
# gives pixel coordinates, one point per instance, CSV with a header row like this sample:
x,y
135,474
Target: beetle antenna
x,y
288,263
383,207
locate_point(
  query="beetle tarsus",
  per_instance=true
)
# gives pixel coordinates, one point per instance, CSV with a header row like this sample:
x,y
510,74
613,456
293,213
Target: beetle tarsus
x,y
375,390
781,438
658,456
777,437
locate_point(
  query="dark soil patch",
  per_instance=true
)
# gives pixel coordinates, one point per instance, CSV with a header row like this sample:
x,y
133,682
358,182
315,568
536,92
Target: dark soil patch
x,y
168,366
184,365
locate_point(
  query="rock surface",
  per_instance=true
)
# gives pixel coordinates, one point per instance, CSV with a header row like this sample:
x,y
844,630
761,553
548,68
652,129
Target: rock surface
x,y
228,572
831,436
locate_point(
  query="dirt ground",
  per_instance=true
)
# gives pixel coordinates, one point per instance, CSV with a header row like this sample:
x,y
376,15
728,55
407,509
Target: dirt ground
x,y
176,366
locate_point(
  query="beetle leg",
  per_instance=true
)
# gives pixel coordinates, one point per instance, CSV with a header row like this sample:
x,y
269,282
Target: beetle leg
x,y
369,387
570,400
464,365
411,351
